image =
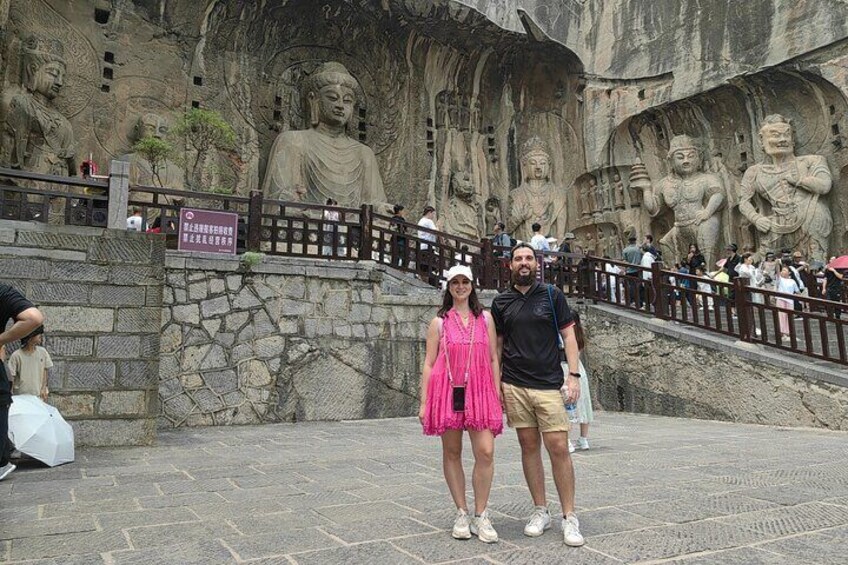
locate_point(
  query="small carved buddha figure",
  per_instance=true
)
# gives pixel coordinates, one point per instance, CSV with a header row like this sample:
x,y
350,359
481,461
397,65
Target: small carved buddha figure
x,y
694,196
323,162
166,174
796,216
36,136
462,213
537,199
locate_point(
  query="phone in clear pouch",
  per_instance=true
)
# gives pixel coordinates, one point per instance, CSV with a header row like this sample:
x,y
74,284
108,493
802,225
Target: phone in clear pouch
x,y
459,399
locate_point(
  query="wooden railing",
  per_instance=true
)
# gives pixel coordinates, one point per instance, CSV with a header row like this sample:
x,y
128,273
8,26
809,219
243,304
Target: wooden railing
x,y
812,326
51,199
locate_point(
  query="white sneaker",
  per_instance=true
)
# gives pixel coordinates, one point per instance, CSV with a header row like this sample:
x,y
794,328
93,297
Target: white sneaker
x,y
5,470
538,523
461,526
571,531
570,446
481,526
583,443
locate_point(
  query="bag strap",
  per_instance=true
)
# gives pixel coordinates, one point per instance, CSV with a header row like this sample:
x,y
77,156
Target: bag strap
x,y
560,344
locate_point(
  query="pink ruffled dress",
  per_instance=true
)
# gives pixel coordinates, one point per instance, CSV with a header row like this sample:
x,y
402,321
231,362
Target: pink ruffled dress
x,y
482,409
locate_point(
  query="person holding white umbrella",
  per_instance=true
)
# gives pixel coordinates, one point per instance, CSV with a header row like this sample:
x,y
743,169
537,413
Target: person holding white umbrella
x,y
14,306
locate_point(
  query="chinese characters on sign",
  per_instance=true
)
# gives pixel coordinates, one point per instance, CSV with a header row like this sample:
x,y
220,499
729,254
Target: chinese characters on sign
x,y
208,231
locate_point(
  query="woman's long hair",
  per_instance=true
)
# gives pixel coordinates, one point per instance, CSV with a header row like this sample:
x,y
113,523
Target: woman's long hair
x,y
473,303
578,331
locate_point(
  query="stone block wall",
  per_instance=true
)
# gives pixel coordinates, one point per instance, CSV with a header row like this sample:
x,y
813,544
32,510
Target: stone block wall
x,y
294,339
101,294
638,365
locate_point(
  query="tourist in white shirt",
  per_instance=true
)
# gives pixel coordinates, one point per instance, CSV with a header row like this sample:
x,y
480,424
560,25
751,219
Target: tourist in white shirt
x,y
785,284
135,222
426,257
539,242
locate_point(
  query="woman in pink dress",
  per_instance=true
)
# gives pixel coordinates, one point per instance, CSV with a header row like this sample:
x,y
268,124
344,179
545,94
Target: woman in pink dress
x,y
460,386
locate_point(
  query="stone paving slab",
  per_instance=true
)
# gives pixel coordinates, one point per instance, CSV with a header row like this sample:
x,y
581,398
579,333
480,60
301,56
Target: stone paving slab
x,y
651,489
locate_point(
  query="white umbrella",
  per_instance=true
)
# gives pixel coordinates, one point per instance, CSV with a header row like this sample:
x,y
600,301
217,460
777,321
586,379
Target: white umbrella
x,y
38,430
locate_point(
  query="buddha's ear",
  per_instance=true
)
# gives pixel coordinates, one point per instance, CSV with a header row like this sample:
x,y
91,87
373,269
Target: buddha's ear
x,y
314,112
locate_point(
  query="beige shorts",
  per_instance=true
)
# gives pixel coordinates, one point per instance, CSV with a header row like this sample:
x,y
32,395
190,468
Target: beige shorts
x,y
533,408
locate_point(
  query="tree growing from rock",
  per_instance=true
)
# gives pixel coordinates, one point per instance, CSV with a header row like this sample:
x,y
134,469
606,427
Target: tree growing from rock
x,y
204,132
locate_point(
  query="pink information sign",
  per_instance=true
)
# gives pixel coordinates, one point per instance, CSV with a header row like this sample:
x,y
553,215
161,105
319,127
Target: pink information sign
x,y
208,231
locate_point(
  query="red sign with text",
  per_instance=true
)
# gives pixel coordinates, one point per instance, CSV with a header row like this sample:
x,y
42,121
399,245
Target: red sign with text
x,y
208,231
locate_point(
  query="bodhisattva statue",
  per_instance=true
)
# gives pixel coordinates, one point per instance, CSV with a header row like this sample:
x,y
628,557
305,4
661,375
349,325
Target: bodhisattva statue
x,y
694,196
36,136
462,215
323,162
537,199
167,173
790,212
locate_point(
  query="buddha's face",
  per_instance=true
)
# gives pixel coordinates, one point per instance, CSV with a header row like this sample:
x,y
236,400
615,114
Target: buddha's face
x,y
777,139
151,125
538,166
335,104
685,162
49,79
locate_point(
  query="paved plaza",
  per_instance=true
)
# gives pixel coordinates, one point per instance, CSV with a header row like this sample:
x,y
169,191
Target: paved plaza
x,y
651,489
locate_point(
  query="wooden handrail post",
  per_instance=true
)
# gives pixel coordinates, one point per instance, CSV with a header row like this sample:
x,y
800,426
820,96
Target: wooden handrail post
x,y
254,220
660,305
366,221
592,288
743,310
487,256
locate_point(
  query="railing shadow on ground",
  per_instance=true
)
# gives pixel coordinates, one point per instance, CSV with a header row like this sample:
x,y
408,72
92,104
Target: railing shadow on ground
x,y
801,324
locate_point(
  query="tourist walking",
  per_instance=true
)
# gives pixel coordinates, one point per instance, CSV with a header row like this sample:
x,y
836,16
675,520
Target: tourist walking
x,y
426,257
833,281
331,229
399,253
28,366
14,306
460,385
526,317
583,406
786,284
633,255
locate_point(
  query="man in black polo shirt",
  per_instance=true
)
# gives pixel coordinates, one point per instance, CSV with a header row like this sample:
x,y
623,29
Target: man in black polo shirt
x,y
532,376
14,306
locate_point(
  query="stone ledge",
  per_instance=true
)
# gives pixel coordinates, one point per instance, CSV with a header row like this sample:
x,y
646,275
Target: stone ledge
x,y
805,367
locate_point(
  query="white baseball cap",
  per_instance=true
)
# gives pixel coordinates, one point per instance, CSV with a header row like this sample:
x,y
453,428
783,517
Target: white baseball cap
x,y
457,270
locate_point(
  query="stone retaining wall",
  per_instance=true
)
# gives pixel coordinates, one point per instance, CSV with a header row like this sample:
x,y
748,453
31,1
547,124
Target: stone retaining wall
x,y
639,365
101,294
294,339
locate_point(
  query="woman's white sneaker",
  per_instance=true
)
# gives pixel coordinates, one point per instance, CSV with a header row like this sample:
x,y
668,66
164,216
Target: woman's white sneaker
x,y
481,526
538,523
571,531
462,525
583,443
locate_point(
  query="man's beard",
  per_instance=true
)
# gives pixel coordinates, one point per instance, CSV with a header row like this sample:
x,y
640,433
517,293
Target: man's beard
x,y
523,280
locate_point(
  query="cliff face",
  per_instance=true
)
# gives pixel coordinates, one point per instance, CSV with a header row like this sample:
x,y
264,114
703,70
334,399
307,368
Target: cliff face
x,y
451,91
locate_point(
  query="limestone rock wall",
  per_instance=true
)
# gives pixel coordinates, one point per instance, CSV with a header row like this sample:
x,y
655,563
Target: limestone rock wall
x,y
637,367
292,340
101,295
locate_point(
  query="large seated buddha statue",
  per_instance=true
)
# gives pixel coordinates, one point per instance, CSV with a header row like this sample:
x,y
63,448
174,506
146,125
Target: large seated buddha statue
x,y
323,162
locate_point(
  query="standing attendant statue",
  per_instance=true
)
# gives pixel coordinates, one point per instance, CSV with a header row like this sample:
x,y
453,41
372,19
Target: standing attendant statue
x,y
537,199
782,195
36,136
694,196
323,161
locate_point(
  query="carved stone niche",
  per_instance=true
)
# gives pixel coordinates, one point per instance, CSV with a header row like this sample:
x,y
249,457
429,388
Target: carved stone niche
x,y
600,240
728,120
603,195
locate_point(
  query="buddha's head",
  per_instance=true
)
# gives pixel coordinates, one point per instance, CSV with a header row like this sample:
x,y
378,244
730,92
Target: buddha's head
x,y
684,155
776,136
43,69
535,160
331,92
151,125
